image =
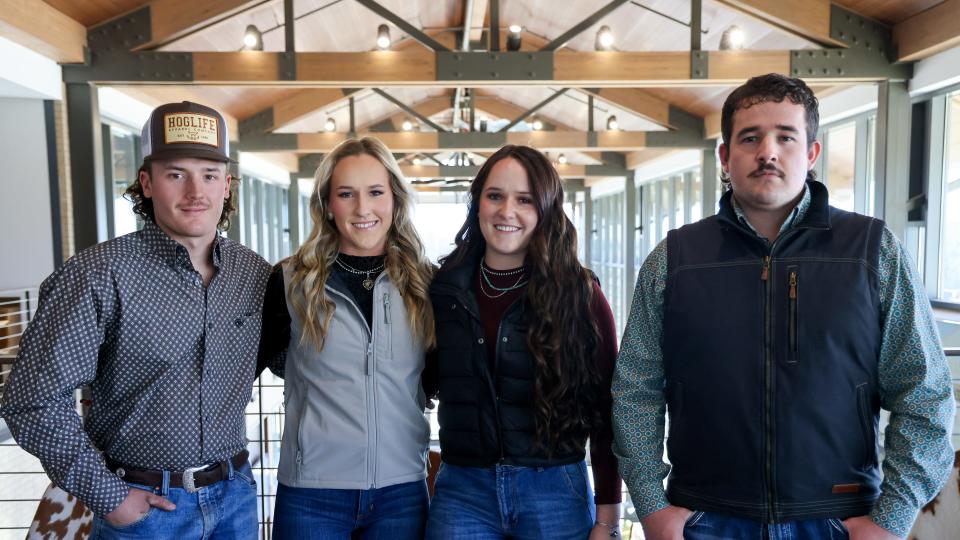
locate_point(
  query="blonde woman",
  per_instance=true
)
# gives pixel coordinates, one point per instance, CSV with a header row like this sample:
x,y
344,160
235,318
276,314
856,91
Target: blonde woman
x,y
346,322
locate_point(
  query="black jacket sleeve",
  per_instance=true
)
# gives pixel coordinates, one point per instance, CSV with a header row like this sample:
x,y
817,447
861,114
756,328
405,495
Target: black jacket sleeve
x,y
275,332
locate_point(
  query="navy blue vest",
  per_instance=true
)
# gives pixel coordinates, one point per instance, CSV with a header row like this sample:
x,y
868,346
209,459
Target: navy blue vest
x,y
770,356
486,412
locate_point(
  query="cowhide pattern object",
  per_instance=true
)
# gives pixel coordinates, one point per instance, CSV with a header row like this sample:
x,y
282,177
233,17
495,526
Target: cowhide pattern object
x,y
940,519
60,515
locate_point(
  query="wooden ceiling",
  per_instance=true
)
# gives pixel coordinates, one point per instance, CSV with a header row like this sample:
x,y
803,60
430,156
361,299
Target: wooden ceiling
x,y
345,25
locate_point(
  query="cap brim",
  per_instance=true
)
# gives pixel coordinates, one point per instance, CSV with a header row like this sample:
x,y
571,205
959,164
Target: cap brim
x,y
198,153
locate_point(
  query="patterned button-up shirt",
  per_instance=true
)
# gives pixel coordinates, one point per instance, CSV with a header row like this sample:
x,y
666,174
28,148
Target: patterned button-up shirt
x,y
914,386
170,362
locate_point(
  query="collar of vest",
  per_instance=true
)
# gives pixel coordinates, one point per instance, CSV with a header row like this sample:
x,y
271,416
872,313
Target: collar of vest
x,y
460,276
817,216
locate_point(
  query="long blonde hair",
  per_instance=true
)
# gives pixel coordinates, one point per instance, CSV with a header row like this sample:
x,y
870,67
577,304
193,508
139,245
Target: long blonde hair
x,y
406,265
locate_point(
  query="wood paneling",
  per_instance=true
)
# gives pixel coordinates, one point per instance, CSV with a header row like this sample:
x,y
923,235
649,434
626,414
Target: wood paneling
x,y
93,12
809,19
40,27
928,33
888,11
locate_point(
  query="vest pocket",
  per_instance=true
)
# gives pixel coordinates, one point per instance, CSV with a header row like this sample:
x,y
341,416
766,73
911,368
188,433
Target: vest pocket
x,y
866,426
793,315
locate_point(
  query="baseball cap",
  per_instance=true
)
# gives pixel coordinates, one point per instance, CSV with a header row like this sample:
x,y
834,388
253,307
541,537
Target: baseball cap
x,y
185,129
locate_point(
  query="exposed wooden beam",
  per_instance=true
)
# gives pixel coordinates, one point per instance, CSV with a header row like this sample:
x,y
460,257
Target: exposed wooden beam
x,y
412,68
637,102
419,69
478,18
37,26
467,173
433,142
173,19
808,19
929,32
711,125
426,107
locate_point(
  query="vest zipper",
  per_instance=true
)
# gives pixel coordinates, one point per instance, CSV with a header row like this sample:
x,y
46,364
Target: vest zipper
x,y
768,388
386,307
794,342
493,380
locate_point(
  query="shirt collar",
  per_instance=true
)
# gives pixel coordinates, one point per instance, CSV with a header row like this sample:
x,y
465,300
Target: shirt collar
x,y
795,216
172,251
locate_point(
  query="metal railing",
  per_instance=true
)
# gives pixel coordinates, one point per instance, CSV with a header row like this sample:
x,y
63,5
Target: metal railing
x,y
265,422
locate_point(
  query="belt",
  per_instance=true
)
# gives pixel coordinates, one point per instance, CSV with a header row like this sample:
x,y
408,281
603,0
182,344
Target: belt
x,y
190,479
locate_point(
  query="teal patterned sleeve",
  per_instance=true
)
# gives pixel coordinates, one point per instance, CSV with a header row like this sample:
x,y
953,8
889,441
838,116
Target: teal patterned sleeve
x,y
638,399
915,387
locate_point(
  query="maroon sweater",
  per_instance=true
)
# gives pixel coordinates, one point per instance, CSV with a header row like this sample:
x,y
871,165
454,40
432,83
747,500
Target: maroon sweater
x,y
604,463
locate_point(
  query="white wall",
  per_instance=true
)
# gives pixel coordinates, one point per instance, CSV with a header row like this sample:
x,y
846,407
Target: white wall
x,y
26,233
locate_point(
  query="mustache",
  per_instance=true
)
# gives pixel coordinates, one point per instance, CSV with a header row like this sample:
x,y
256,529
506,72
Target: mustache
x,y
765,168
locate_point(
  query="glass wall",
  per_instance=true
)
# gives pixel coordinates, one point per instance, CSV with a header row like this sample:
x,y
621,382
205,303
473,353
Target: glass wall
x,y
262,218
846,163
950,230
121,151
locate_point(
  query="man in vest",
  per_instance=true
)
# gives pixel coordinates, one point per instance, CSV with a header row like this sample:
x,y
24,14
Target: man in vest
x,y
773,333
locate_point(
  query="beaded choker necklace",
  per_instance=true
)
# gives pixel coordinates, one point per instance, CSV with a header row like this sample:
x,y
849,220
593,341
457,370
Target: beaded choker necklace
x,y
486,272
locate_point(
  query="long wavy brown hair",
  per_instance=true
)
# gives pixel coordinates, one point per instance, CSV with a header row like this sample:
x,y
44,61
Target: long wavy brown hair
x,y
406,264
562,335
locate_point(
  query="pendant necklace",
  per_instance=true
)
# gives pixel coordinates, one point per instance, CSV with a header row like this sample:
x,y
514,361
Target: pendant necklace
x,y
367,282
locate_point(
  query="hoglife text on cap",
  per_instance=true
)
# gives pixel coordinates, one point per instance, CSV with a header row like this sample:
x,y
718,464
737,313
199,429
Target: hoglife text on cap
x,y
185,129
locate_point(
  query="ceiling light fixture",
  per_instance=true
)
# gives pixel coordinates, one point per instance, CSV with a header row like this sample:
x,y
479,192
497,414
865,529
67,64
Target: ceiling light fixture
x,y
536,124
612,124
733,39
416,160
383,37
513,37
604,39
562,159
330,125
253,38
407,124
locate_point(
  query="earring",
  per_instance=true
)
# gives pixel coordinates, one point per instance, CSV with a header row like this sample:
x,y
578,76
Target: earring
x,y
329,216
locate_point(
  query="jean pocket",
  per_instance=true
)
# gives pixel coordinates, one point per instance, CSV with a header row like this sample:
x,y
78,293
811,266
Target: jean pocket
x,y
574,476
140,521
245,475
693,519
838,529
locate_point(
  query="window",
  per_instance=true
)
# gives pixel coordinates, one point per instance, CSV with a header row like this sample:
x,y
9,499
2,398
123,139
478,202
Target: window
x,y
841,161
950,231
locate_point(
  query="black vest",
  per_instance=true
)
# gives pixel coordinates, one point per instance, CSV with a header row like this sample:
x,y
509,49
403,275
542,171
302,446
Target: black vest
x,y
770,357
486,413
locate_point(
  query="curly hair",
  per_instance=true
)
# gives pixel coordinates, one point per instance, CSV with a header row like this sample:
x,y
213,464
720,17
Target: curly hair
x,y
143,206
562,335
406,263
765,88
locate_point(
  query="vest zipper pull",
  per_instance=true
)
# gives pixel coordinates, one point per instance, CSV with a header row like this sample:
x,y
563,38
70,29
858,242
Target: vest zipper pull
x,y
765,273
369,358
793,285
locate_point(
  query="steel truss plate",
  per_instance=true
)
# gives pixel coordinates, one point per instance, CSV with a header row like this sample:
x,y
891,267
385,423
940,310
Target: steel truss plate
x,y
121,34
123,66
853,63
699,65
494,66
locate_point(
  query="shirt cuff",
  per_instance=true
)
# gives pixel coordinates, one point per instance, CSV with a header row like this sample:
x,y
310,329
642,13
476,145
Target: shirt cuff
x,y
894,516
648,497
106,494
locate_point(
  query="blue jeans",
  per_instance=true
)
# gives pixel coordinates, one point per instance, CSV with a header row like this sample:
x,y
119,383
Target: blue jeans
x,y
397,512
221,511
502,501
713,526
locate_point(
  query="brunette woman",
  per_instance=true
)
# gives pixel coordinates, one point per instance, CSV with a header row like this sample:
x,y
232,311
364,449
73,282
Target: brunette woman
x,y
346,322
526,346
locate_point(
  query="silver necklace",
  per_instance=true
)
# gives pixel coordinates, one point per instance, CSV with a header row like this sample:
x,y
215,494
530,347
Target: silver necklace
x,y
502,290
492,272
367,282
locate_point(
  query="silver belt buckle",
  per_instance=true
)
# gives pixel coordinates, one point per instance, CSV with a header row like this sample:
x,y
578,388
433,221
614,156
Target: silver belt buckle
x,y
188,482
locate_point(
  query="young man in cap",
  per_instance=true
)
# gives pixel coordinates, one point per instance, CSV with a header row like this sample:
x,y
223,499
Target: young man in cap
x,y
163,324
773,333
